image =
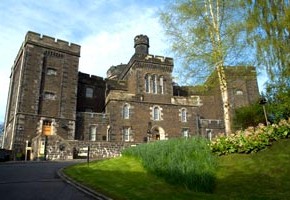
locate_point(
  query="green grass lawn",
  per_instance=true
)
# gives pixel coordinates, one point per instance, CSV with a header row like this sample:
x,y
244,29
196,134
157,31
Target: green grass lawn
x,y
263,175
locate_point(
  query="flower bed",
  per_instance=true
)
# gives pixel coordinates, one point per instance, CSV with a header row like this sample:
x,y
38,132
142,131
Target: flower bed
x,y
252,139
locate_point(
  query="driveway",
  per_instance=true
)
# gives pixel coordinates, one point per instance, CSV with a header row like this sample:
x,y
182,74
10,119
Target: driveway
x,y
36,181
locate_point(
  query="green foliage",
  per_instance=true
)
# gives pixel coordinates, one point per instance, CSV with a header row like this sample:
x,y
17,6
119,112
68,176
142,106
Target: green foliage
x,y
263,175
252,139
268,32
187,162
278,96
205,34
249,116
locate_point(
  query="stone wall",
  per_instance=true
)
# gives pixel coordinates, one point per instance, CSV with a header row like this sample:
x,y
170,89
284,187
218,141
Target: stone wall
x,y
59,149
94,102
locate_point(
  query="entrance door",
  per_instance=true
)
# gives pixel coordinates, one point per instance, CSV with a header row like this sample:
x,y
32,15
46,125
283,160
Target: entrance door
x,y
158,133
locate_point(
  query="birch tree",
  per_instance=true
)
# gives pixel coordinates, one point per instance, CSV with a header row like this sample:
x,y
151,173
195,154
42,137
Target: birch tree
x,y
268,30
206,35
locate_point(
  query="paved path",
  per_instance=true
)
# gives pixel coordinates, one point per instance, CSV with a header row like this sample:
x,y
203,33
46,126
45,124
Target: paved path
x,y
36,181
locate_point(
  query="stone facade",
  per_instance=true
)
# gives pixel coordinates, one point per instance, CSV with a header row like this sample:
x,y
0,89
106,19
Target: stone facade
x,y
57,112
43,91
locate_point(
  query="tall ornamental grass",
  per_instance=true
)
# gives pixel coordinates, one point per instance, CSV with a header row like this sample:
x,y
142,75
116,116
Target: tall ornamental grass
x,y
187,162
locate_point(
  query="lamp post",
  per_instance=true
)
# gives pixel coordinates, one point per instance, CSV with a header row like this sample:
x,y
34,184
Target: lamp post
x,y
45,146
263,102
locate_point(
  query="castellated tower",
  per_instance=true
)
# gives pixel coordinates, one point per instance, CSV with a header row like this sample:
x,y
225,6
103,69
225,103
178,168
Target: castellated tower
x,y
141,44
42,93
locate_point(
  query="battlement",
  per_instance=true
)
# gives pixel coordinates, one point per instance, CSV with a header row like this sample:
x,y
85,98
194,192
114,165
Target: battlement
x,y
159,59
50,42
241,71
84,76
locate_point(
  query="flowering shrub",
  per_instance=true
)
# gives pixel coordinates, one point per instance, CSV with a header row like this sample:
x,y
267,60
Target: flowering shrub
x,y
251,139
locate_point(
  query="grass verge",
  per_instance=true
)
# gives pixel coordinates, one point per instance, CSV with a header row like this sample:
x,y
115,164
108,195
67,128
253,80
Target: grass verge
x,y
263,175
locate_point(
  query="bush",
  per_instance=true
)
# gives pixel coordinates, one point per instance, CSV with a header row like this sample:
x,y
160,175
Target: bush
x,y
251,115
252,139
187,162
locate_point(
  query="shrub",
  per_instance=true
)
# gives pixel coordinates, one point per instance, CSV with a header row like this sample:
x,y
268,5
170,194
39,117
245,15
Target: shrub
x,y
187,162
247,116
251,139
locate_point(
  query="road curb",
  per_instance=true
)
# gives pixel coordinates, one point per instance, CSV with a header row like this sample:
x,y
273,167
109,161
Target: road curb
x,y
81,187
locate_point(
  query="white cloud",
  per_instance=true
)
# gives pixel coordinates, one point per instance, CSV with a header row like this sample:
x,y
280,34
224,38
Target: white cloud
x,y
104,29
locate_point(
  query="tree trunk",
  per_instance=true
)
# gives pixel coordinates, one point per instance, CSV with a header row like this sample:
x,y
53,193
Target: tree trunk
x,y
225,98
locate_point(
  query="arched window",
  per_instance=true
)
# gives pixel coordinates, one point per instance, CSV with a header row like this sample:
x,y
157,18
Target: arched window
x,y
127,135
239,92
154,84
161,85
183,115
147,83
156,113
126,111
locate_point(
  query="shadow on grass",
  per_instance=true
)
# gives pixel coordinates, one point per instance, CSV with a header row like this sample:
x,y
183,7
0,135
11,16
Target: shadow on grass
x,y
241,185
134,185
192,181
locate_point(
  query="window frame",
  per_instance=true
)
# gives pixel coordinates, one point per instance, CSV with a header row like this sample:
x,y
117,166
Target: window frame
x,y
126,111
49,95
93,133
156,113
51,71
161,84
89,92
127,135
183,131
183,115
147,83
154,84
239,92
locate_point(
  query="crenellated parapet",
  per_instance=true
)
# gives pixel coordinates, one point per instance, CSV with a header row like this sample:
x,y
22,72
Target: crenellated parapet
x,y
159,59
84,76
53,43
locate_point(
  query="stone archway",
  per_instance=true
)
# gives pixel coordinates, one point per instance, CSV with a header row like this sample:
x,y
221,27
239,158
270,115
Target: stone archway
x,y
158,133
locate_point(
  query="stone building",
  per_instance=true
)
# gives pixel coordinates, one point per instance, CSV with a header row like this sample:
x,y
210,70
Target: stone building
x,y
50,100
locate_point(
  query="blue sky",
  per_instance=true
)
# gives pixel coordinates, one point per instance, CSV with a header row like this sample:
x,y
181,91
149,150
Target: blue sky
x,y
105,29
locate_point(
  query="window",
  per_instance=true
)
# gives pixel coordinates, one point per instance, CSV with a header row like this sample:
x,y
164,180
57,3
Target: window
x,y
185,132
126,111
156,113
183,115
127,136
89,92
46,127
154,84
161,85
49,95
51,71
147,83
93,133
239,92
209,133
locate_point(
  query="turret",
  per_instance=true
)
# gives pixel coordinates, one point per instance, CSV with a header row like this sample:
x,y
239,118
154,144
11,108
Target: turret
x,y
141,44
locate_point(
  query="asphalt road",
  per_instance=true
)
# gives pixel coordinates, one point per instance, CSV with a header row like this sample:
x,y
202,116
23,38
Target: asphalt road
x,y
36,181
